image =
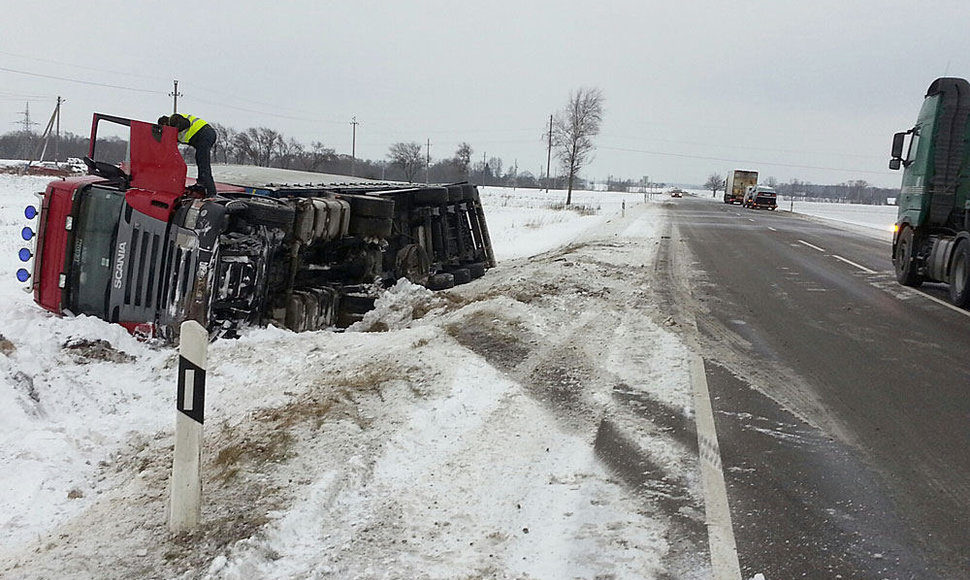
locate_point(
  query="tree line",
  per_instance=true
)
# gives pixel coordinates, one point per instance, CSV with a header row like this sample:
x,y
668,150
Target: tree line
x,y
266,147
571,134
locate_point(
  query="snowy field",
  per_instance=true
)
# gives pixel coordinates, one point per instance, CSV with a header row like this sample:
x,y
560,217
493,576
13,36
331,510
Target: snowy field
x,y
410,475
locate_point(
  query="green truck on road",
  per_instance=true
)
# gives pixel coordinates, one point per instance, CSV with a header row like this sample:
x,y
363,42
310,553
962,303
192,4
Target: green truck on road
x,y
932,236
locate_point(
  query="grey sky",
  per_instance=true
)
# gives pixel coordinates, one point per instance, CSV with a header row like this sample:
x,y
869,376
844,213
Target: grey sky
x,y
808,90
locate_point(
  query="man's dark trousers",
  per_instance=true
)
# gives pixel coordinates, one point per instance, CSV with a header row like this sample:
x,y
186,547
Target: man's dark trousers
x,y
202,142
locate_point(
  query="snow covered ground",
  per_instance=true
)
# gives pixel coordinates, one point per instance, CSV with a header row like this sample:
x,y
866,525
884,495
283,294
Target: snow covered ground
x,y
395,454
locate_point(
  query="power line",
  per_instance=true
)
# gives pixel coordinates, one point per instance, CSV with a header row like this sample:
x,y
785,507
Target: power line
x,y
81,66
92,83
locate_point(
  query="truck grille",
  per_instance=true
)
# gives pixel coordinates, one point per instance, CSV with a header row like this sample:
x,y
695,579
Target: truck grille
x,y
141,291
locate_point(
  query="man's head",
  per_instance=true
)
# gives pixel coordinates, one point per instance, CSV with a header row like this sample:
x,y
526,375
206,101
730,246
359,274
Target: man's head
x,y
163,120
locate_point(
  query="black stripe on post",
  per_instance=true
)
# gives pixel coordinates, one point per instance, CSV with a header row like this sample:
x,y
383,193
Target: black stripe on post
x,y
191,390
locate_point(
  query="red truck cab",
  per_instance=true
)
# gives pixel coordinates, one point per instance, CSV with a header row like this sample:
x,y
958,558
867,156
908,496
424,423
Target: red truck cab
x,y
76,260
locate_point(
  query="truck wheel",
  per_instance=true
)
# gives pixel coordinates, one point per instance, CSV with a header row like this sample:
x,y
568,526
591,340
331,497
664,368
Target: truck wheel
x,y
462,276
268,212
906,273
430,196
441,281
476,269
960,275
412,262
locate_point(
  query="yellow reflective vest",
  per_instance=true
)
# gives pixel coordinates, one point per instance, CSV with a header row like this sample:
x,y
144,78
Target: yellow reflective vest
x,y
195,124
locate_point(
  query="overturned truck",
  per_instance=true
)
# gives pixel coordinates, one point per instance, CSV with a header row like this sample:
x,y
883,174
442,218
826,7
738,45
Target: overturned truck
x,y
140,245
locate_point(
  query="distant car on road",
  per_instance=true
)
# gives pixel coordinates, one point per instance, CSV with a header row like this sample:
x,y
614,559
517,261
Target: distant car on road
x,y
676,193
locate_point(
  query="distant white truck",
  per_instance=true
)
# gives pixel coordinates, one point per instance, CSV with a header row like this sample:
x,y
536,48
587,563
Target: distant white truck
x,y
738,181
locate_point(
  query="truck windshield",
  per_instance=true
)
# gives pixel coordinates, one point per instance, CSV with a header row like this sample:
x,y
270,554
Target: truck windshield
x,y
95,228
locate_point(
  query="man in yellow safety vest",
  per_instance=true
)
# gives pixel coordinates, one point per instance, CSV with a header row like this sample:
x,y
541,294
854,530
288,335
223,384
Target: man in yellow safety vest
x,y
198,134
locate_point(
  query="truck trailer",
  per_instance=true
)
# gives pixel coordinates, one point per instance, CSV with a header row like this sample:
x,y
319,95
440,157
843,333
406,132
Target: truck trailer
x,y
137,244
931,241
738,182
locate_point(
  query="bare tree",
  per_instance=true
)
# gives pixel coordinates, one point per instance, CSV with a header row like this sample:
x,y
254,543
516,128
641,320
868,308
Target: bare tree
x,y
463,158
222,148
714,183
318,156
259,145
573,131
407,156
288,152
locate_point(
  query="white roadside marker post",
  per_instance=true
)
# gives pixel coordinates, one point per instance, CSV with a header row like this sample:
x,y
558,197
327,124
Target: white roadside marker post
x,y
185,501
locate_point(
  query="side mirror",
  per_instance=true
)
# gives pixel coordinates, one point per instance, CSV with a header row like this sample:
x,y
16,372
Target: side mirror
x,y
898,138
895,163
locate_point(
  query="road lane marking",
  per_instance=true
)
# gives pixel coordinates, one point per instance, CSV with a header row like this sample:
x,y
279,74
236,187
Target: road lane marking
x,y
772,229
751,220
720,532
813,246
851,263
938,301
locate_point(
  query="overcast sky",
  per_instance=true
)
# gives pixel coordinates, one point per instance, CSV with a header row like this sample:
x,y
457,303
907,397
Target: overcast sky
x,y
811,90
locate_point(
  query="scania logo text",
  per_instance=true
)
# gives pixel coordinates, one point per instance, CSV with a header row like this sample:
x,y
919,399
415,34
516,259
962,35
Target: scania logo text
x,y
119,265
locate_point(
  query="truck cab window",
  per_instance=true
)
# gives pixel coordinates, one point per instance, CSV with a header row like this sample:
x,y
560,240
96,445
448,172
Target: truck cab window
x,y
93,256
913,146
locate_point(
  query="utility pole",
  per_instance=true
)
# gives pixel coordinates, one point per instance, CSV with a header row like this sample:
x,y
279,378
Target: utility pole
x,y
57,139
549,155
353,147
484,167
427,164
45,138
175,94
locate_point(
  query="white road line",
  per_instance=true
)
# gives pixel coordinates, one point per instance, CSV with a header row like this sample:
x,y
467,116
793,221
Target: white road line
x,y
813,246
772,229
851,263
751,220
720,533
938,301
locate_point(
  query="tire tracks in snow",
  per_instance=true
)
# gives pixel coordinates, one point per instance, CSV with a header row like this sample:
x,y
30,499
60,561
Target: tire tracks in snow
x,y
595,354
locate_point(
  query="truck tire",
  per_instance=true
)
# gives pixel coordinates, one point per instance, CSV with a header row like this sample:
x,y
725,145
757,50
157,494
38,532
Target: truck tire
x,y
960,275
412,262
903,262
441,281
476,269
268,212
462,276
430,196
370,226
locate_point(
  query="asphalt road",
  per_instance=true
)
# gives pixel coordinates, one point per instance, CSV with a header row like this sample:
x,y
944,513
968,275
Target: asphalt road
x,y
841,400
